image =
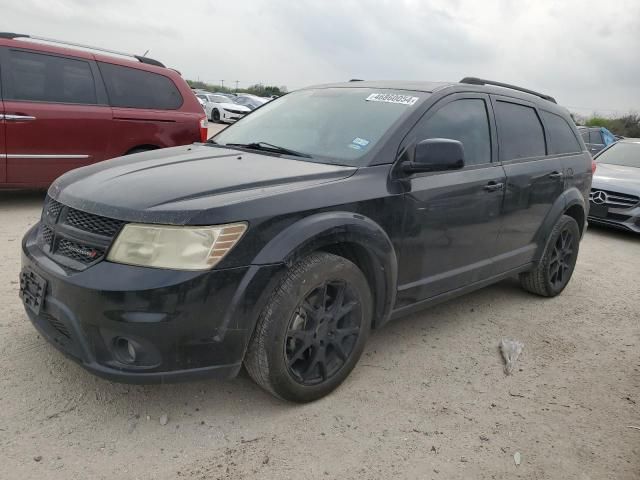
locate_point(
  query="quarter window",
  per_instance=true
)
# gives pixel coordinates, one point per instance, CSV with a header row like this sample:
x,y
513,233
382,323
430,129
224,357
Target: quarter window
x,y
465,120
133,88
520,131
47,78
562,139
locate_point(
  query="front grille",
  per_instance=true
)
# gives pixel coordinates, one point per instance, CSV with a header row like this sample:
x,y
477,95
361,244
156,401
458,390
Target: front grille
x,y
47,235
84,244
93,223
79,252
613,199
52,208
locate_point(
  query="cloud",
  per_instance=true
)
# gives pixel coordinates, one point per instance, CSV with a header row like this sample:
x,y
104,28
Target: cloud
x,y
581,52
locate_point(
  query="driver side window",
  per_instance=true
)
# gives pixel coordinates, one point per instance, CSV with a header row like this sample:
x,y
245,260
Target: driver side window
x,y
465,120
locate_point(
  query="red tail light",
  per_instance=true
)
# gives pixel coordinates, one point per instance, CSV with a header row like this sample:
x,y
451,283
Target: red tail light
x,y
593,166
204,129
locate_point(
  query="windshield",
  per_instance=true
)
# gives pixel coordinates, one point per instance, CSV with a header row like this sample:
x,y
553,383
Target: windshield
x,y
333,125
622,153
219,99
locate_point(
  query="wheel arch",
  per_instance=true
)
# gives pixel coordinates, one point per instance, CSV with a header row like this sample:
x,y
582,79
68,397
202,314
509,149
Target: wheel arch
x,y
352,236
571,203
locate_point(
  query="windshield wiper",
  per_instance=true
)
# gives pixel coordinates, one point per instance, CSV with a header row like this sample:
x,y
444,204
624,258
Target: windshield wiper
x,y
269,147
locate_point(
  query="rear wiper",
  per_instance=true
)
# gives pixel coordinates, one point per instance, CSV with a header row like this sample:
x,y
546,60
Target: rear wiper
x,y
269,147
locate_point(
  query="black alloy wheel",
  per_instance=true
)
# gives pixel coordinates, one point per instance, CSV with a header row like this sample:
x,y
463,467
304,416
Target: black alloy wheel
x,y
322,333
562,259
312,329
552,272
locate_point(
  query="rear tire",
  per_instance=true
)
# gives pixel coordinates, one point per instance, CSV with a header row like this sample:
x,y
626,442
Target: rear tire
x,y
552,274
313,329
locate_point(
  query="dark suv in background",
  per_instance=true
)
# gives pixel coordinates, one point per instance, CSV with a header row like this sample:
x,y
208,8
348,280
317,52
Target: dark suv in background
x,y
63,108
283,240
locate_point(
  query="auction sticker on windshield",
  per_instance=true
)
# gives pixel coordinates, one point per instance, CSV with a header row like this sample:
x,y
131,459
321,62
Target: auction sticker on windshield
x,y
392,98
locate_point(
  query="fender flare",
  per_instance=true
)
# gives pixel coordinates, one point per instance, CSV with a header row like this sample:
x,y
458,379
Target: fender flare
x,y
564,202
334,228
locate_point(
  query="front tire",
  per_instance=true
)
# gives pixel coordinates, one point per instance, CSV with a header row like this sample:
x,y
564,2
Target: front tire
x,y
313,329
552,274
215,116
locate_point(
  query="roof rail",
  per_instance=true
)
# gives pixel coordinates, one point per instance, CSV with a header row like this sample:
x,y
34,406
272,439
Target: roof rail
x,y
481,81
140,58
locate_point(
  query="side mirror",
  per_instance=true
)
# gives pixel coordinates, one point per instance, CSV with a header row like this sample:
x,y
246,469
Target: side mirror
x,y
436,155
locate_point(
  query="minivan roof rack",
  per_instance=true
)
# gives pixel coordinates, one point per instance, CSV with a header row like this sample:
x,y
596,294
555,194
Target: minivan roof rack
x,y
481,81
140,58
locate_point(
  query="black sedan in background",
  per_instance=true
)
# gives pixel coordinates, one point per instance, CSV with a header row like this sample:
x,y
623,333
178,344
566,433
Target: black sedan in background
x,y
615,192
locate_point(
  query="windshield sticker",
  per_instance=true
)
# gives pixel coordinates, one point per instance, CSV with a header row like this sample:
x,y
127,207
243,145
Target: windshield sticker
x,y
392,98
360,141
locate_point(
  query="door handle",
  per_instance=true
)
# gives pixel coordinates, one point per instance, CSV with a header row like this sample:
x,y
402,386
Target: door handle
x,y
17,118
493,186
556,175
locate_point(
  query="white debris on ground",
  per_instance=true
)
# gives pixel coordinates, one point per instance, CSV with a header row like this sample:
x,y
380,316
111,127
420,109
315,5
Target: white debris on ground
x,y
511,350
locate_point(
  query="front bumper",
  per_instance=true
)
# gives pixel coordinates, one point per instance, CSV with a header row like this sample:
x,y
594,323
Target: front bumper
x,y
183,325
621,218
229,117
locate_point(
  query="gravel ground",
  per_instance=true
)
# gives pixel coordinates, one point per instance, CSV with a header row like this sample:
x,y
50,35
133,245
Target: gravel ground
x,y
429,398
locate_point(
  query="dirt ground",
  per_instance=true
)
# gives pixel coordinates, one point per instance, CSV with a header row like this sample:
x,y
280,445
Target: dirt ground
x,y
428,400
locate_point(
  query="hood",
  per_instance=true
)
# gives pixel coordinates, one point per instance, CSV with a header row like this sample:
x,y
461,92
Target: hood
x,y
617,178
172,185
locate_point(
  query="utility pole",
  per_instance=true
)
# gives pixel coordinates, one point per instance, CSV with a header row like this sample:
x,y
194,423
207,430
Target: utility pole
x,y
237,81
222,83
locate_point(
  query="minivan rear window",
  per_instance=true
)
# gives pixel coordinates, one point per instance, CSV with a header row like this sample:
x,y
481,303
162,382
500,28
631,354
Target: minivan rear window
x,y
38,77
520,131
562,139
133,88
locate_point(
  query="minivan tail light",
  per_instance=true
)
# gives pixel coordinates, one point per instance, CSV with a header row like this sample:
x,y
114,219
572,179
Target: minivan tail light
x,y
593,166
204,129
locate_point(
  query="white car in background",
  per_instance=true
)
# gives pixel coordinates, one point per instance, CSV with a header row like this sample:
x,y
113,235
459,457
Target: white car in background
x,y
222,109
251,101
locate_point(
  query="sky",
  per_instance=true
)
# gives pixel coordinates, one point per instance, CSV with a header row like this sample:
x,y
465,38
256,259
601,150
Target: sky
x,y
584,53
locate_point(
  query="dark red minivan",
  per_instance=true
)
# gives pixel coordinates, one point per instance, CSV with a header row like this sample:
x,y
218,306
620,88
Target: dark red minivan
x,y
63,108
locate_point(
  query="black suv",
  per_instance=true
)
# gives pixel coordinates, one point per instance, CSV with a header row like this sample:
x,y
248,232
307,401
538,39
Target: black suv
x,y
282,241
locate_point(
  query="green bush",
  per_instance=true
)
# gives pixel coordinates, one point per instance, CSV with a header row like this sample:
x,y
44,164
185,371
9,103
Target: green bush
x,y
627,125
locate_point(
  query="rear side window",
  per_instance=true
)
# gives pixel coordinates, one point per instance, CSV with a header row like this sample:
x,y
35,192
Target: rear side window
x,y
520,131
133,88
596,136
562,139
47,78
464,120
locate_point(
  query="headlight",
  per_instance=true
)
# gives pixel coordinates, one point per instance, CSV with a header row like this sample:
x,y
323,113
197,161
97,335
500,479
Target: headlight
x,y
180,248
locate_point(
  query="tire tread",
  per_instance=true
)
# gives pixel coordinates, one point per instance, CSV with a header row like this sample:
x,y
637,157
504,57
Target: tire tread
x,y
256,359
535,281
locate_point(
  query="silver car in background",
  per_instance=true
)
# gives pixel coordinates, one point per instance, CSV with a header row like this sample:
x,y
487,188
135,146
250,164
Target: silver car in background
x,y
615,191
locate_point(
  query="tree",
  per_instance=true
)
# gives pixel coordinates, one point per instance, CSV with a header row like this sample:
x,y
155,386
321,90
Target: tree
x,y
257,89
627,125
